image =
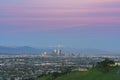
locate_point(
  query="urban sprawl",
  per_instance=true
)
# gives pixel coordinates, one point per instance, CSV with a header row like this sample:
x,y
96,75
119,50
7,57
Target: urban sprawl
x,y
30,66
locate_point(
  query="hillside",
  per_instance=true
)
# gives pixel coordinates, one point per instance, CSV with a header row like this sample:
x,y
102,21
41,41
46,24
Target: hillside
x,y
92,74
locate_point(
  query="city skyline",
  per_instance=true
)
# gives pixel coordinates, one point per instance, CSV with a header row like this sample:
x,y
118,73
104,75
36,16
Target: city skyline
x,y
74,23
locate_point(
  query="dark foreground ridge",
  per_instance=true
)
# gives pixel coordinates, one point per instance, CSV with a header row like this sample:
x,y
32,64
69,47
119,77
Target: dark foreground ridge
x,y
92,74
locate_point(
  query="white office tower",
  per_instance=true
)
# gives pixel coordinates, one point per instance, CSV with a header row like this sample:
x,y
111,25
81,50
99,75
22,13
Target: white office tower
x,y
57,51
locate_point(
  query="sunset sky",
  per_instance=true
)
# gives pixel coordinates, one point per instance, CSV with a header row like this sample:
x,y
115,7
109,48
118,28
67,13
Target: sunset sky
x,y
74,23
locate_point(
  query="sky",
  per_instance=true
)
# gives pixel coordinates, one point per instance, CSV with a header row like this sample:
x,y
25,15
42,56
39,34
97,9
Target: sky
x,y
73,23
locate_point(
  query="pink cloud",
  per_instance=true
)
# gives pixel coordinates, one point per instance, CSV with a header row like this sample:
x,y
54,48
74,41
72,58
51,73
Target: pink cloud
x,y
35,16
63,22
27,8
60,12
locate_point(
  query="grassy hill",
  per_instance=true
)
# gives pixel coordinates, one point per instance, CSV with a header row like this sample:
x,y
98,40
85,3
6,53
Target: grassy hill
x,y
92,74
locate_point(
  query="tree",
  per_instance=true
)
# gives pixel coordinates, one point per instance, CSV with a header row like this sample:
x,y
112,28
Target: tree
x,y
105,65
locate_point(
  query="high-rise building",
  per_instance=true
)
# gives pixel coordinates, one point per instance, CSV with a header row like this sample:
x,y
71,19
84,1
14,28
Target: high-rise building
x,y
57,51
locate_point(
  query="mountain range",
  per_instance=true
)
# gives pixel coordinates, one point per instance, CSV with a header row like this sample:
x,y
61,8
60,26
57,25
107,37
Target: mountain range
x,y
18,50
31,50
